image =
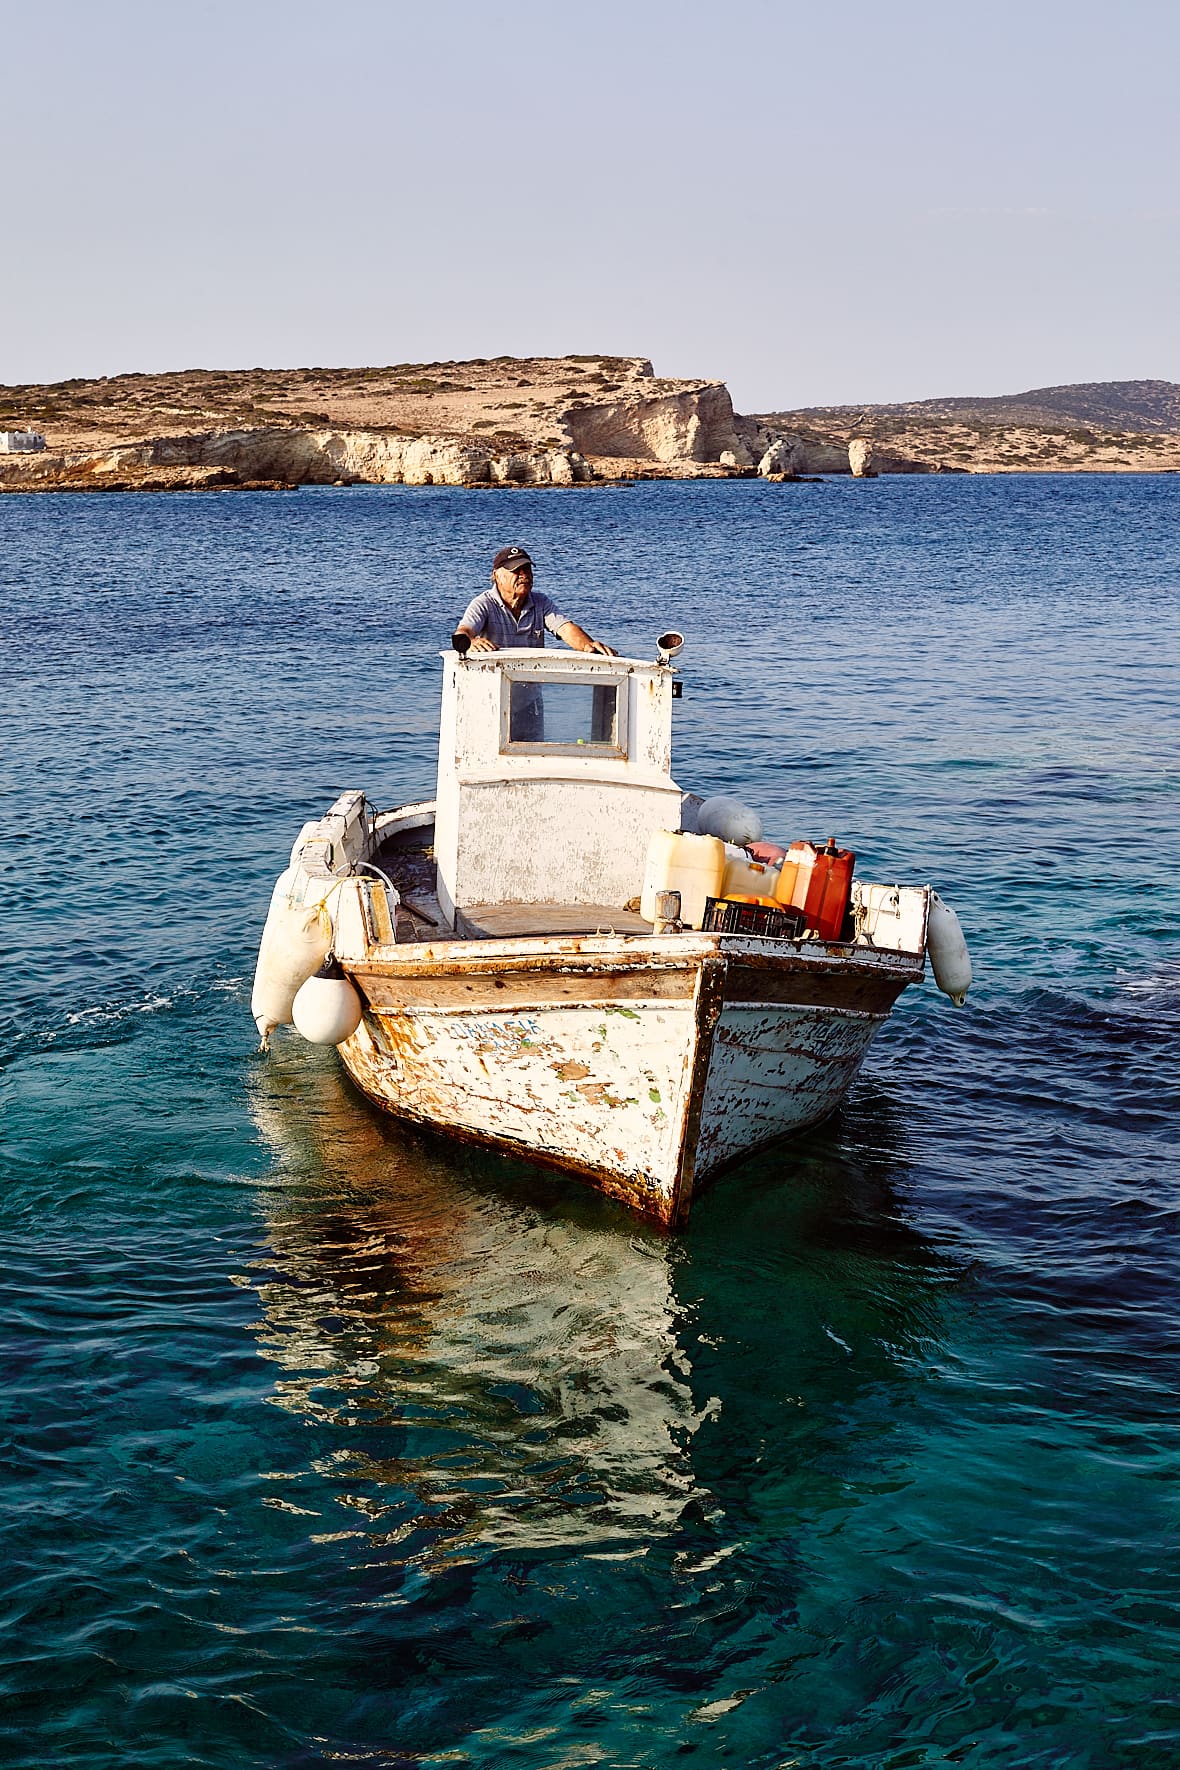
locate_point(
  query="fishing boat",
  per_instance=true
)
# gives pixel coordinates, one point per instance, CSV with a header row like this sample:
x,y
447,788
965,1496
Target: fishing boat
x,y
553,956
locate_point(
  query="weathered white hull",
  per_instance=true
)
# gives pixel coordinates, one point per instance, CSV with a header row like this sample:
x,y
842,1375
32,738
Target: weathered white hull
x,y
643,1064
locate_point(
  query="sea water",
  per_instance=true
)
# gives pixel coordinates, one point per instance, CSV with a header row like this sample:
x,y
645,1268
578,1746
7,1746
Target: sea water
x,y
328,1443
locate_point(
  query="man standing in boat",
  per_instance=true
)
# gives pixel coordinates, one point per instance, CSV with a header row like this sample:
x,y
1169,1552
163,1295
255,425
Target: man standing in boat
x,y
513,614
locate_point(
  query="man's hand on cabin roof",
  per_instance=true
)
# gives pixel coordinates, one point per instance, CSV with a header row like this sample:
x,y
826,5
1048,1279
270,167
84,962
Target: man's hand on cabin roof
x,y
578,639
479,641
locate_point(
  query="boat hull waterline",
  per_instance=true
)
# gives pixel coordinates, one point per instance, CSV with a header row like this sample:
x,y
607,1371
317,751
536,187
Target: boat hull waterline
x,y
643,1065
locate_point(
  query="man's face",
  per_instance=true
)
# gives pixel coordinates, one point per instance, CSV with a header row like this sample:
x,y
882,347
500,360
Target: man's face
x,y
514,586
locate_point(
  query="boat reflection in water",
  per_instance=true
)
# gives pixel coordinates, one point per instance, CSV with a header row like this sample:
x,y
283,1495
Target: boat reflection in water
x,y
496,1364
507,1372
556,1471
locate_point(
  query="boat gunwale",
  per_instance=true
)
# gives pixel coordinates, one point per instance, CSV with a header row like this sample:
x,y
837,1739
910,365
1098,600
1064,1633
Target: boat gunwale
x,y
605,1005
626,952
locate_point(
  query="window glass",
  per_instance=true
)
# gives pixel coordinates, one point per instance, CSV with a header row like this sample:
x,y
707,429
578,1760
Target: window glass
x,y
568,714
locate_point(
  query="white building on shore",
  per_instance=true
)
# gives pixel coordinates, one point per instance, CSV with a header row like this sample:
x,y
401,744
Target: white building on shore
x,y
20,442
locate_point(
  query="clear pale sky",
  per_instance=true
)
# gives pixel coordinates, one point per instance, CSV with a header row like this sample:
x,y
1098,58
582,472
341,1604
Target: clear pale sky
x,y
816,203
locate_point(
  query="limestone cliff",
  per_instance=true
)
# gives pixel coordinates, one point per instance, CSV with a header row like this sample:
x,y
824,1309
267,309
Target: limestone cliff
x,y
319,457
295,457
695,423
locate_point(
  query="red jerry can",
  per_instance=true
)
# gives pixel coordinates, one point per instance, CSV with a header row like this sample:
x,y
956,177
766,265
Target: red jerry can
x,y
818,881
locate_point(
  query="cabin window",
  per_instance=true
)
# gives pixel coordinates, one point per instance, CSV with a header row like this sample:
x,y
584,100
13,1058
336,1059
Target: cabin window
x,y
571,715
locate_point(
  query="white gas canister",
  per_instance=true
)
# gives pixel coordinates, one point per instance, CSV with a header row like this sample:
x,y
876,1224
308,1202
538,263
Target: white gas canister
x,y
295,942
949,959
746,877
692,865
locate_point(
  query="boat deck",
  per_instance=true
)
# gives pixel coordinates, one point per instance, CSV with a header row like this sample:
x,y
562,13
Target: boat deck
x,y
406,858
511,921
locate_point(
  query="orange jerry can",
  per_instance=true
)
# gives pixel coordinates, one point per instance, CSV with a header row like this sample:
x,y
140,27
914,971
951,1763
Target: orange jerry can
x,y
818,881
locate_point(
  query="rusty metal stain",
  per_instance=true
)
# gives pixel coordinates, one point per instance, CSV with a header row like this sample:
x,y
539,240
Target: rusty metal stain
x,y
394,1035
599,1094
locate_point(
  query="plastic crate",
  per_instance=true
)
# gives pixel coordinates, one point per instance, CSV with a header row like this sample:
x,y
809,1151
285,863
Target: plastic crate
x,y
724,917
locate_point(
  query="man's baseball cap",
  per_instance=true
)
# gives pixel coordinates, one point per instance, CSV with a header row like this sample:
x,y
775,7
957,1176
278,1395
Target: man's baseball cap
x,y
511,558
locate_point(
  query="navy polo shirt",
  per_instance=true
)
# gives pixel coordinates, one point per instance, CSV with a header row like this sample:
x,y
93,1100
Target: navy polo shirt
x,y
488,615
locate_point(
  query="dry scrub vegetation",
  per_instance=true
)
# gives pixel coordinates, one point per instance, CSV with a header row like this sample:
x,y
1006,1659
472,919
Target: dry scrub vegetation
x,y
1097,427
510,401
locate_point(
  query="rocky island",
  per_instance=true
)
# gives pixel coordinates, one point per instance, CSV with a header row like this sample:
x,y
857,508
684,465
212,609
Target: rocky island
x,y
560,421
512,421
1089,427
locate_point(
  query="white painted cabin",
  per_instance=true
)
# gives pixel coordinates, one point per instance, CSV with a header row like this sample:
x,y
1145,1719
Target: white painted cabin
x,y
554,771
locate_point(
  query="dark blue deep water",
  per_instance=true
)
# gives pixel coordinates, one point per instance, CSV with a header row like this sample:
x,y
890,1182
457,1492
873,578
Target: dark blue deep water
x,y
328,1444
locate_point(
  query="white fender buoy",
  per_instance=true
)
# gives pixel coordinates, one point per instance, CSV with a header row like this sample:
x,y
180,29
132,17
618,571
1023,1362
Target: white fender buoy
x,y
294,944
327,1008
949,959
727,817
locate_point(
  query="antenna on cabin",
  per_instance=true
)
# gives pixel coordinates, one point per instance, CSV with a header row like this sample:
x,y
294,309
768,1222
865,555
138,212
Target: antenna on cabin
x,y
668,645
461,642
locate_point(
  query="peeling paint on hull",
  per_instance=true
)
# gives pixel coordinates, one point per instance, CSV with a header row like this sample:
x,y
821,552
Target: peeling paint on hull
x,y
643,1066
773,1071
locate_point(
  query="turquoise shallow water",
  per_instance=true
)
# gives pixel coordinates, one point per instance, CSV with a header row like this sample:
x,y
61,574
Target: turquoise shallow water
x,y
329,1444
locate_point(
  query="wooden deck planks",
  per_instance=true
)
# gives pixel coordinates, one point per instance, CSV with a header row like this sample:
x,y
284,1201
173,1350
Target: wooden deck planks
x,y
510,921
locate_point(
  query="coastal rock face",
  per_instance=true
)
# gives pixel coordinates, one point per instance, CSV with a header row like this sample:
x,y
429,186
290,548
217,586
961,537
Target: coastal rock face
x,y
779,459
818,457
548,467
784,456
298,457
860,457
424,461
321,457
694,425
